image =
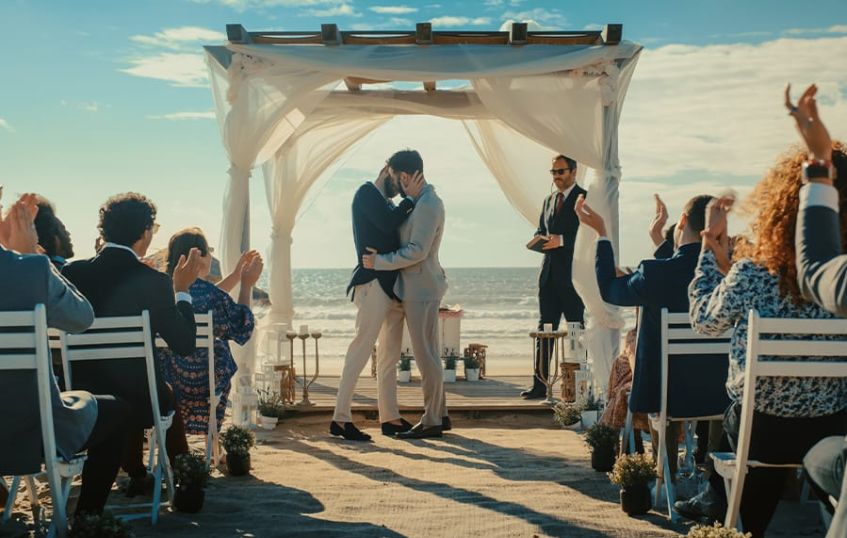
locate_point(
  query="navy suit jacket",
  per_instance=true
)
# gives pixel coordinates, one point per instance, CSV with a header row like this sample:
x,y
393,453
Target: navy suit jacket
x,y
375,224
558,262
656,284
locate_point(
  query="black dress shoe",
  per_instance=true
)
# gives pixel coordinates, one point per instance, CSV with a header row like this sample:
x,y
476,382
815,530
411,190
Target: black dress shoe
x,y
419,431
391,429
446,424
349,432
139,486
534,394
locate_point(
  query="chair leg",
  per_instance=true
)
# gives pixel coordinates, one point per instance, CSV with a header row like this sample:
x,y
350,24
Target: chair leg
x,y
733,505
670,490
660,462
10,501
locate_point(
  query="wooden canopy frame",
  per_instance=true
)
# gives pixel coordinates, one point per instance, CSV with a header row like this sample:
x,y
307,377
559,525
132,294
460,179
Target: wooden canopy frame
x,y
330,35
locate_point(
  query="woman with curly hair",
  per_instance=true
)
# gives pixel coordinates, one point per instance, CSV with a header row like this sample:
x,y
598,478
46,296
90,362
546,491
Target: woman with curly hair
x,y
791,413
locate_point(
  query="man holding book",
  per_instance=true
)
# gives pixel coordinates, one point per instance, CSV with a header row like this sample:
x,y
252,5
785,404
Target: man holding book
x,y
555,239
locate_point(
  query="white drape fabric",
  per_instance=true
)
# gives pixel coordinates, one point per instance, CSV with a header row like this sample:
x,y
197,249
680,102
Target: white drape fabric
x,y
277,103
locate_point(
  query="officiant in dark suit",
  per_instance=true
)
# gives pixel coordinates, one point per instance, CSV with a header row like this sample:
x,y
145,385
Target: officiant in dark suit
x,y
556,294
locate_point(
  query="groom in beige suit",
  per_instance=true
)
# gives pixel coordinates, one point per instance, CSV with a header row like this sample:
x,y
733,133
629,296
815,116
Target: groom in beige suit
x,y
420,286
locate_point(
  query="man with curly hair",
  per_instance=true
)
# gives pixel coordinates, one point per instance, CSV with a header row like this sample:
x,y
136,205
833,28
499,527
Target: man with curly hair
x,y
117,283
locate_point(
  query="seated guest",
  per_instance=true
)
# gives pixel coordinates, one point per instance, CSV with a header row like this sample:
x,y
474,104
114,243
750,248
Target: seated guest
x,y
620,383
824,465
189,375
791,414
117,283
656,284
53,237
81,420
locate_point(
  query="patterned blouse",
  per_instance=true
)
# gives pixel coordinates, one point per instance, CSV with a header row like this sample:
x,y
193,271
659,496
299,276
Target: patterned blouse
x,y
720,303
189,376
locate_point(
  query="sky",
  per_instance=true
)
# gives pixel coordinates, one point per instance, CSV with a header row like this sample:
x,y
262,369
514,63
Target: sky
x,y
99,97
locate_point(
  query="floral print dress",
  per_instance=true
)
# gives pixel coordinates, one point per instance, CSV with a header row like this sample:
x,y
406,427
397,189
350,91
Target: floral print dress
x,y
189,376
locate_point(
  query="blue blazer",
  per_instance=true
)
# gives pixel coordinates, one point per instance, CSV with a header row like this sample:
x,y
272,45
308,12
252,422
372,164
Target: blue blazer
x,y
656,284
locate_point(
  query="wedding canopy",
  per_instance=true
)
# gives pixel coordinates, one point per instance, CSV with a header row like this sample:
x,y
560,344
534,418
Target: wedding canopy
x,y
295,105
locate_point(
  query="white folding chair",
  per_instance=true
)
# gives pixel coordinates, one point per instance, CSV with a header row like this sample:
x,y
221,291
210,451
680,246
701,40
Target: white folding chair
x,y
707,393
206,340
27,336
119,338
765,358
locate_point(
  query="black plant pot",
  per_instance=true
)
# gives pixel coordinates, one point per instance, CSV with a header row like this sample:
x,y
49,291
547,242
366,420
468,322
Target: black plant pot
x,y
238,464
603,458
635,500
189,499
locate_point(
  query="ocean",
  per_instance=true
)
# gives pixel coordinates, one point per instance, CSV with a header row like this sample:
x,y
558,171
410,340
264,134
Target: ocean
x,y
500,307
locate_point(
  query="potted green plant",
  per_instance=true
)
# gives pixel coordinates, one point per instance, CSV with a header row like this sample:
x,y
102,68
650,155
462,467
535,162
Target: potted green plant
x,y
590,410
632,472
191,476
450,369
270,408
104,525
237,442
404,368
566,415
471,368
715,531
602,441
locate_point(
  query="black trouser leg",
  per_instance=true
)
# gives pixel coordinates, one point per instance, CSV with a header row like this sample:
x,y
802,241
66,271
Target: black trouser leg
x,y
104,445
555,299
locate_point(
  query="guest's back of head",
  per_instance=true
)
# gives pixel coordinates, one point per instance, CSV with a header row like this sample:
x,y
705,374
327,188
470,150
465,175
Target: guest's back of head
x,y
125,217
181,244
53,237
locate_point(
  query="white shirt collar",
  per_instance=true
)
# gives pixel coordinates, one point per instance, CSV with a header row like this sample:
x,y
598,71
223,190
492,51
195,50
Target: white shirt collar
x,y
124,247
567,191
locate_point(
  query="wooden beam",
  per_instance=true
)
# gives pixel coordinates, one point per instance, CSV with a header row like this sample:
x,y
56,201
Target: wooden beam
x,y
330,34
519,33
235,33
423,33
612,34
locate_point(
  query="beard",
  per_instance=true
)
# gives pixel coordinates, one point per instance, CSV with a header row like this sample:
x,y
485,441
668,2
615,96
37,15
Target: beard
x,y
390,189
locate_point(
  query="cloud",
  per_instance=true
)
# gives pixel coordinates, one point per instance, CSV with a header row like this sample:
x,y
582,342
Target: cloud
x,y
6,126
459,21
177,38
343,10
244,5
180,69
836,29
89,106
393,10
182,116
718,108
552,16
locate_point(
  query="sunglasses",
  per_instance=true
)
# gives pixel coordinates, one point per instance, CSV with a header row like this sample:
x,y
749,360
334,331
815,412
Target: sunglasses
x,y
558,171
155,228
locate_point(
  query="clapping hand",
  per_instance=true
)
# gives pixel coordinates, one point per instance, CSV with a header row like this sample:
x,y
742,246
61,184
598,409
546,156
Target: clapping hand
x,y
659,221
187,270
369,258
809,123
17,228
716,235
589,217
251,269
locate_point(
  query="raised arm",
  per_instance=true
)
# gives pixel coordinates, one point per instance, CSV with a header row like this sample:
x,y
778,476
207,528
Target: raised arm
x,y
626,290
429,218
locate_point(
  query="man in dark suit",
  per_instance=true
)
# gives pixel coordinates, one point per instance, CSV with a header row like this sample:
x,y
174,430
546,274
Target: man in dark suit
x,y
375,229
556,293
81,420
118,283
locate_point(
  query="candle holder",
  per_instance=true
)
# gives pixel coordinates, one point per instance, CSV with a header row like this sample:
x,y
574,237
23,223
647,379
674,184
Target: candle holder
x,y
307,383
543,340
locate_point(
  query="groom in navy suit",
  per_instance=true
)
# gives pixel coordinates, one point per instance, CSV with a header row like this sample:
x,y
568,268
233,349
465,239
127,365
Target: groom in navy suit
x,y
556,294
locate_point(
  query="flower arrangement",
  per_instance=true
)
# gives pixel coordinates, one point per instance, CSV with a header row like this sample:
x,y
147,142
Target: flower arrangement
x,y
237,440
450,363
566,414
716,531
100,526
405,364
270,404
601,436
632,470
190,470
471,363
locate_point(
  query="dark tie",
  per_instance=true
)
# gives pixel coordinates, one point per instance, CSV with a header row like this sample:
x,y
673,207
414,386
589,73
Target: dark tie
x,y
560,201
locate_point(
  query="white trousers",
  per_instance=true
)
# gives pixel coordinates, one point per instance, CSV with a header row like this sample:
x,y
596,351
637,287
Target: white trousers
x,y
422,318
376,313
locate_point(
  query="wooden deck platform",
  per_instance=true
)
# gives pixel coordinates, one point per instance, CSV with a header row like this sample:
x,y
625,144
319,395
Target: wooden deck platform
x,y
489,394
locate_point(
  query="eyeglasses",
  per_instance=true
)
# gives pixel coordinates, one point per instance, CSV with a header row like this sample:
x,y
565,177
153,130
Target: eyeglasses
x,y
154,228
558,171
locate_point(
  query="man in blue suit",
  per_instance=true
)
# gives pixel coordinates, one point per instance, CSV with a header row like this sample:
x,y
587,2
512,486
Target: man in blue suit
x,y
654,285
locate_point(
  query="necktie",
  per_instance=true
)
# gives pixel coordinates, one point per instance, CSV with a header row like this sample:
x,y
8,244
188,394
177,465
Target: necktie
x,y
560,201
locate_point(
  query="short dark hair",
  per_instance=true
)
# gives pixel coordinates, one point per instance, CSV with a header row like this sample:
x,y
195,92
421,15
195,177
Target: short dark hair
x,y
669,233
695,210
125,217
47,225
571,162
182,242
406,160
